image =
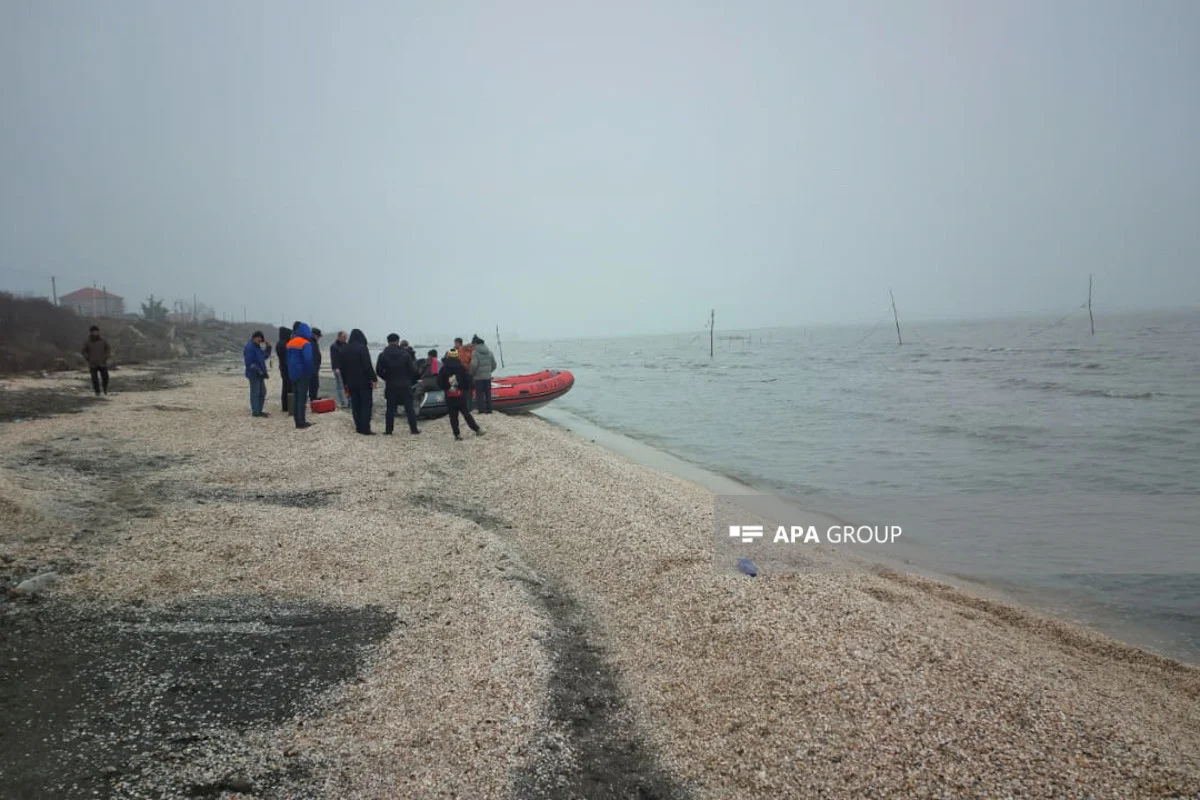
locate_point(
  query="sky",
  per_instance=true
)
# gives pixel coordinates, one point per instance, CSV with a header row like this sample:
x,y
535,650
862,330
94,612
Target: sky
x,y
567,169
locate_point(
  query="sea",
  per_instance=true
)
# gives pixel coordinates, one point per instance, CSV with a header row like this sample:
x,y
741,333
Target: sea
x,y
1018,425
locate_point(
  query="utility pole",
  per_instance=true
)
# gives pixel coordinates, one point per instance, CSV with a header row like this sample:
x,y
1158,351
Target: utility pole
x,y
105,290
896,317
500,346
1091,319
54,289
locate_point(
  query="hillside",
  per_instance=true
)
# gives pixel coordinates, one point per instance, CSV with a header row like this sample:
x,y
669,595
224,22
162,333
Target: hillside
x,y
38,336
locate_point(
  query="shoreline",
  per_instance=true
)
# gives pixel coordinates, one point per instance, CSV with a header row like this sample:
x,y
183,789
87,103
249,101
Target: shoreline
x,y
554,601
1060,605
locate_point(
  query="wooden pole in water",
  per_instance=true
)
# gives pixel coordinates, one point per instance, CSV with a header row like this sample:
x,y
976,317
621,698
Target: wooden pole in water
x,y
712,319
500,347
1091,319
896,317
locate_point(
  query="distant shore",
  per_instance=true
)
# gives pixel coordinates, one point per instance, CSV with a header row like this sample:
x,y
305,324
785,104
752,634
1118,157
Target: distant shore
x,y
521,615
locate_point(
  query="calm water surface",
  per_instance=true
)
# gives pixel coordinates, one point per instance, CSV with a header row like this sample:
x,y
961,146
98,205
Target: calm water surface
x,y
987,409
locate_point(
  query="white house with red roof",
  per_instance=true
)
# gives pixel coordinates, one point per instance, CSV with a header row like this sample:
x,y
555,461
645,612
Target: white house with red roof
x,y
92,302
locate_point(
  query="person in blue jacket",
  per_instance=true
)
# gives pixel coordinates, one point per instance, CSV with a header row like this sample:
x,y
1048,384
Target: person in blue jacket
x,y
256,372
302,368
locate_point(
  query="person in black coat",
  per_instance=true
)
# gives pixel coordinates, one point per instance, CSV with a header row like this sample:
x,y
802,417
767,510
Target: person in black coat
x,y
455,381
358,376
314,385
281,357
396,368
335,363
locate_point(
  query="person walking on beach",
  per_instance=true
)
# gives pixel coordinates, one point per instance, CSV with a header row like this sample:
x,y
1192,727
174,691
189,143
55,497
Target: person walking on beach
x,y
335,361
359,378
455,381
314,385
483,364
285,334
96,352
301,369
256,372
397,369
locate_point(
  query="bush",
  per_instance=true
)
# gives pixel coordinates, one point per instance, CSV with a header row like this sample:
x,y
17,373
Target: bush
x,y
38,335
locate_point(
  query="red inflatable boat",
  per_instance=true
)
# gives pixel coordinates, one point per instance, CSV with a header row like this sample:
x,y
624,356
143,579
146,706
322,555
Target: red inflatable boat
x,y
514,395
526,392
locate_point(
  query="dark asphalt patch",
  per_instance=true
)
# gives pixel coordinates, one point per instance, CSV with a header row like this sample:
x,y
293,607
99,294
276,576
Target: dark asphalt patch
x,y
96,457
17,405
156,381
155,701
299,498
611,761
445,505
606,757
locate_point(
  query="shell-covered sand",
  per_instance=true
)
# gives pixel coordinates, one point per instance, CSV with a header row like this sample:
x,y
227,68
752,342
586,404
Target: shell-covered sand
x,y
533,574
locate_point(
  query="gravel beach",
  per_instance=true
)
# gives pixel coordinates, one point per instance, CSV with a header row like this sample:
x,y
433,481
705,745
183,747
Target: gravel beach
x,y
247,610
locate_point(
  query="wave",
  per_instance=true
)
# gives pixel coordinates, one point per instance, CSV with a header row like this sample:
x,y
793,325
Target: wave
x,y
1075,391
1113,394
1074,365
1025,435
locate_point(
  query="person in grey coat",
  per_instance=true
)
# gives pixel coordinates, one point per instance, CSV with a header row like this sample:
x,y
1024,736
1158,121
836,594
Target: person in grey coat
x,y
483,364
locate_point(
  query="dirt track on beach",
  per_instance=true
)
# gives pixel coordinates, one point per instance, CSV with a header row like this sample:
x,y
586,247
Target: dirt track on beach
x,y
246,610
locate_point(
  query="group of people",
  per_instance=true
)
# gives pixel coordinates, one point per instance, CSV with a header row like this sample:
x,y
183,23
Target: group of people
x,y
464,374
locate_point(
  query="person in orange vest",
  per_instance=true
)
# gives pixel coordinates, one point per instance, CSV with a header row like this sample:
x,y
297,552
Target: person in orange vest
x,y
301,369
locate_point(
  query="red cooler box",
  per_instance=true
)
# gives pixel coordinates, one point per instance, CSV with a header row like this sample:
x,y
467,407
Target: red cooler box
x,y
324,405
